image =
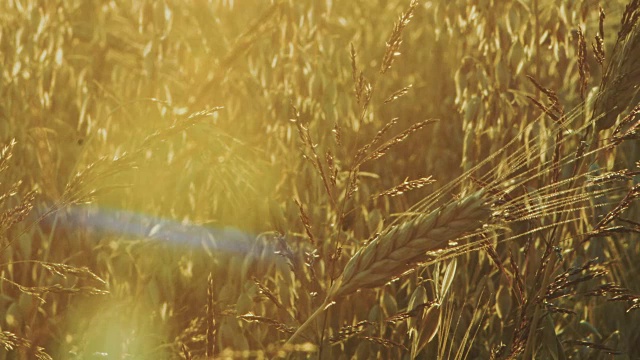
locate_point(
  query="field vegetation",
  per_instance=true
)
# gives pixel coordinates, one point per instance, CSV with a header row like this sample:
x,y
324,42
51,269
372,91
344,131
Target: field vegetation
x,y
214,179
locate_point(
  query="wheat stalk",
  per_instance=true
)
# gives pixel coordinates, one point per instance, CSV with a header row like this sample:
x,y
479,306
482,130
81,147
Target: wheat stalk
x,y
398,248
619,86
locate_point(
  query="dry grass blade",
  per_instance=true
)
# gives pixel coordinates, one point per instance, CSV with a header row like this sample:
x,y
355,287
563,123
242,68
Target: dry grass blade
x,y
41,291
306,222
382,149
333,169
408,185
411,313
583,66
11,341
337,134
18,213
554,110
398,94
598,46
619,85
307,141
562,284
186,354
249,317
64,269
629,198
385,342
375,141
212,326
517,283
629,18
5,154
393,44
267,293
362,88
628,127
163,134
349,331
592,345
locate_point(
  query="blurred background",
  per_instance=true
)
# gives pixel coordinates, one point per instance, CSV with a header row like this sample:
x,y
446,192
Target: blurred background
x,y
159,141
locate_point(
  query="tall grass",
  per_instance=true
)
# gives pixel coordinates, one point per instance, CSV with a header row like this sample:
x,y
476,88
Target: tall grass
x,y
403,179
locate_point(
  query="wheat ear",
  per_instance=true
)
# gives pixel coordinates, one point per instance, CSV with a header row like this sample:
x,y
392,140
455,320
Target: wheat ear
x,y
398,248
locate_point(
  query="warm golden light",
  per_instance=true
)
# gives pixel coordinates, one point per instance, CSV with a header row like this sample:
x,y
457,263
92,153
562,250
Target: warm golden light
x,y
319,179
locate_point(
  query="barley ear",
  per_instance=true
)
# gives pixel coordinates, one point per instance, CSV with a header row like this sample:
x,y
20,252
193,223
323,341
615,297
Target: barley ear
x,y
400,247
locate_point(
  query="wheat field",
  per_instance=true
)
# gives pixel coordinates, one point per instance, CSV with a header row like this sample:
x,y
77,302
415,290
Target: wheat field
x,y
219,179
